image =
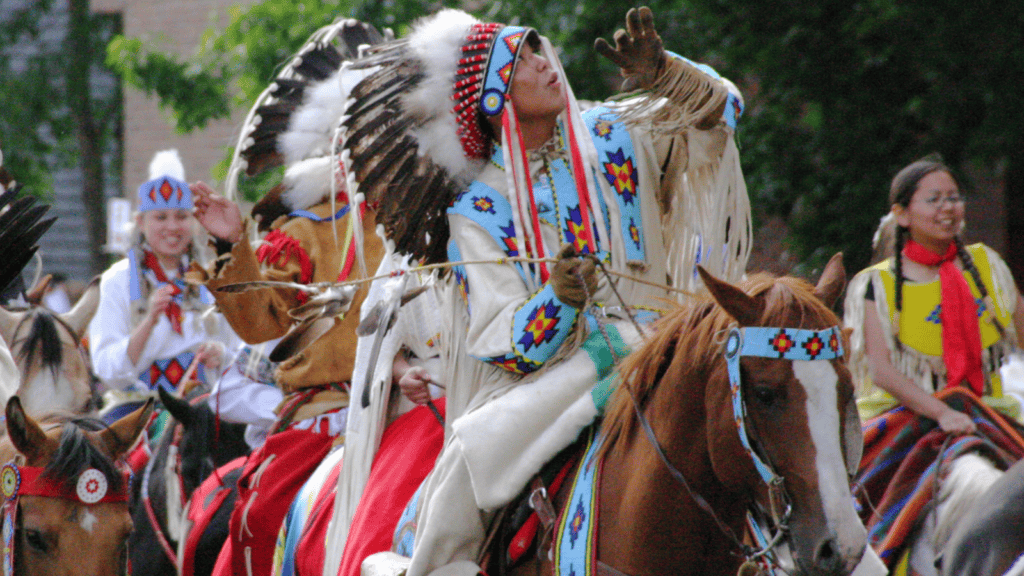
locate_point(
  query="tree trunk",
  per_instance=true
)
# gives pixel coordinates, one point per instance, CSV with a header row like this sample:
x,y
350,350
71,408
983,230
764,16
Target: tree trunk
x,y
90,137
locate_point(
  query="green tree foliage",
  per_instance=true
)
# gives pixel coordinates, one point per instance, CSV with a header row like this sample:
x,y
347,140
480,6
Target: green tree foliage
x,y
52,114
231,66
29,89
839,94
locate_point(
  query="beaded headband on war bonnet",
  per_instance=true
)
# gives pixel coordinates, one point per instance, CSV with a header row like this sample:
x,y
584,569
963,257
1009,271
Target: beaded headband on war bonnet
x,y
483,78
415,131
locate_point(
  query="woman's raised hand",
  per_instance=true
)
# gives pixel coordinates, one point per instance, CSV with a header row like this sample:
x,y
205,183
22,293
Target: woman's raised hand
x,y
211,354
159,299
220,216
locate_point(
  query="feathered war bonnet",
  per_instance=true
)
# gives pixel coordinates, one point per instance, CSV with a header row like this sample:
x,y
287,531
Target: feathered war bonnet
x,y
416,131
166,188
293,122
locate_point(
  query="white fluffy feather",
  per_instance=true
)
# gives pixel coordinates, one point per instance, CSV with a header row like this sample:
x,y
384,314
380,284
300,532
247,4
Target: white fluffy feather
x,y
307,182
437,41
311,127
167,163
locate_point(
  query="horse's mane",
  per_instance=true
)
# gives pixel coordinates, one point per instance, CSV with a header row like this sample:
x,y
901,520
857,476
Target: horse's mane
x,y
698,330
43,339
75,453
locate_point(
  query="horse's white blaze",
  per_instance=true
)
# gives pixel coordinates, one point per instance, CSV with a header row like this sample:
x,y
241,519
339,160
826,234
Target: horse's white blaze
x,y
87,520
819,381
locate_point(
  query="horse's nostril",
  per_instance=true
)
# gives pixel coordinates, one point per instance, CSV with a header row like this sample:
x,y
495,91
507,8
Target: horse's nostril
x,y
827,551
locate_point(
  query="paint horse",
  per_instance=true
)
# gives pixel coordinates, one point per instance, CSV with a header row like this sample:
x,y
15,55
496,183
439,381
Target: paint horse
x,y
65,495
739,401
188,452
998,521
54,373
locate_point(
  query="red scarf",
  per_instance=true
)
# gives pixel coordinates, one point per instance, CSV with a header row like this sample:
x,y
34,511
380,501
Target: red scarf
x,y
173,310
961,337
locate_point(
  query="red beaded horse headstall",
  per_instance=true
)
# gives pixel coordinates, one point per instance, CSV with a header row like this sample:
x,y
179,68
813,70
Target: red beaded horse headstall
x,y
16,481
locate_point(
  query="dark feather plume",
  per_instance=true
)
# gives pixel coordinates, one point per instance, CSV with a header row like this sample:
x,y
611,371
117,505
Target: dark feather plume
x,y
270,208
317,61
411,192
21,227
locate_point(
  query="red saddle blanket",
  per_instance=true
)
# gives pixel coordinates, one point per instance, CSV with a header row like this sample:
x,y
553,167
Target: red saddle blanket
x,y
203,506
407,452
906,454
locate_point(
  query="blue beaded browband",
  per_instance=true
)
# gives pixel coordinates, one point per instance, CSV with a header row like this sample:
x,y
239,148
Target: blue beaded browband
x,y
782,343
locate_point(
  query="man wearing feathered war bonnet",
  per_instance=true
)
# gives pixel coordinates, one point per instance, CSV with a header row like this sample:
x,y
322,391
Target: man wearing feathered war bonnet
x,y
489,156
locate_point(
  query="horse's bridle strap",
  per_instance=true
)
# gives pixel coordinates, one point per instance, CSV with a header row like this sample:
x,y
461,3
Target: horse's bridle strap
x,y
92,486
780,343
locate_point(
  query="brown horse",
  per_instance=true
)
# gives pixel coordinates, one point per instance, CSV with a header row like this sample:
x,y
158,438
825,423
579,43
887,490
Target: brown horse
x,y
54,373
800,419
72,512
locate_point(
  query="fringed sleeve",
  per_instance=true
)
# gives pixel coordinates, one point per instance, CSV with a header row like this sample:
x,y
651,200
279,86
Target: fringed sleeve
x,y
853,318
684,95
691,112
259,315
709,199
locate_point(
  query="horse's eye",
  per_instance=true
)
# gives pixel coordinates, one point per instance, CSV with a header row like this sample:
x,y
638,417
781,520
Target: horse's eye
x,y
765,395
36,541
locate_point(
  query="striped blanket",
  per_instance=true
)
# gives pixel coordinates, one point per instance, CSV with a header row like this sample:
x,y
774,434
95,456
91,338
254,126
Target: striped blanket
x,y
905,455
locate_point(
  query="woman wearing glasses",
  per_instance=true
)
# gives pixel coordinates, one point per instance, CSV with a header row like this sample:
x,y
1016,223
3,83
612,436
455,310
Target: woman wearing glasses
x,y
931,327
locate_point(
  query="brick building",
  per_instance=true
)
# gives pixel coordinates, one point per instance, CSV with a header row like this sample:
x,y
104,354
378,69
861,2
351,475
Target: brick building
x,y
177,28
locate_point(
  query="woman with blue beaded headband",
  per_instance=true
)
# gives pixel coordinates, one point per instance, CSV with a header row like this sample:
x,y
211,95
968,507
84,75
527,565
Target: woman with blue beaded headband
x,y
151,327
487,146
932,326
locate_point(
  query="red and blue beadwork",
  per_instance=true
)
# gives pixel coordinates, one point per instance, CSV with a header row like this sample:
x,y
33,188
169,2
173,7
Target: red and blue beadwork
x,y
781,343
165,193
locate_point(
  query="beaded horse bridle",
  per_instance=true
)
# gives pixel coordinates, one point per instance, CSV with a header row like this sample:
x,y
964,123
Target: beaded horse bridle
x,y
760,342
91,488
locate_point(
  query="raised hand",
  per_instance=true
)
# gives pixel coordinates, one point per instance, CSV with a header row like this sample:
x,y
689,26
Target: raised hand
x,y
220,216
638,50
211,354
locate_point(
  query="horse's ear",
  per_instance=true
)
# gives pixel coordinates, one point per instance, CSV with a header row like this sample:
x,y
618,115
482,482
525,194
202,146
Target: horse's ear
x,y
35,294
121,435
746,309
25,433
78,317
179,408
832,281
